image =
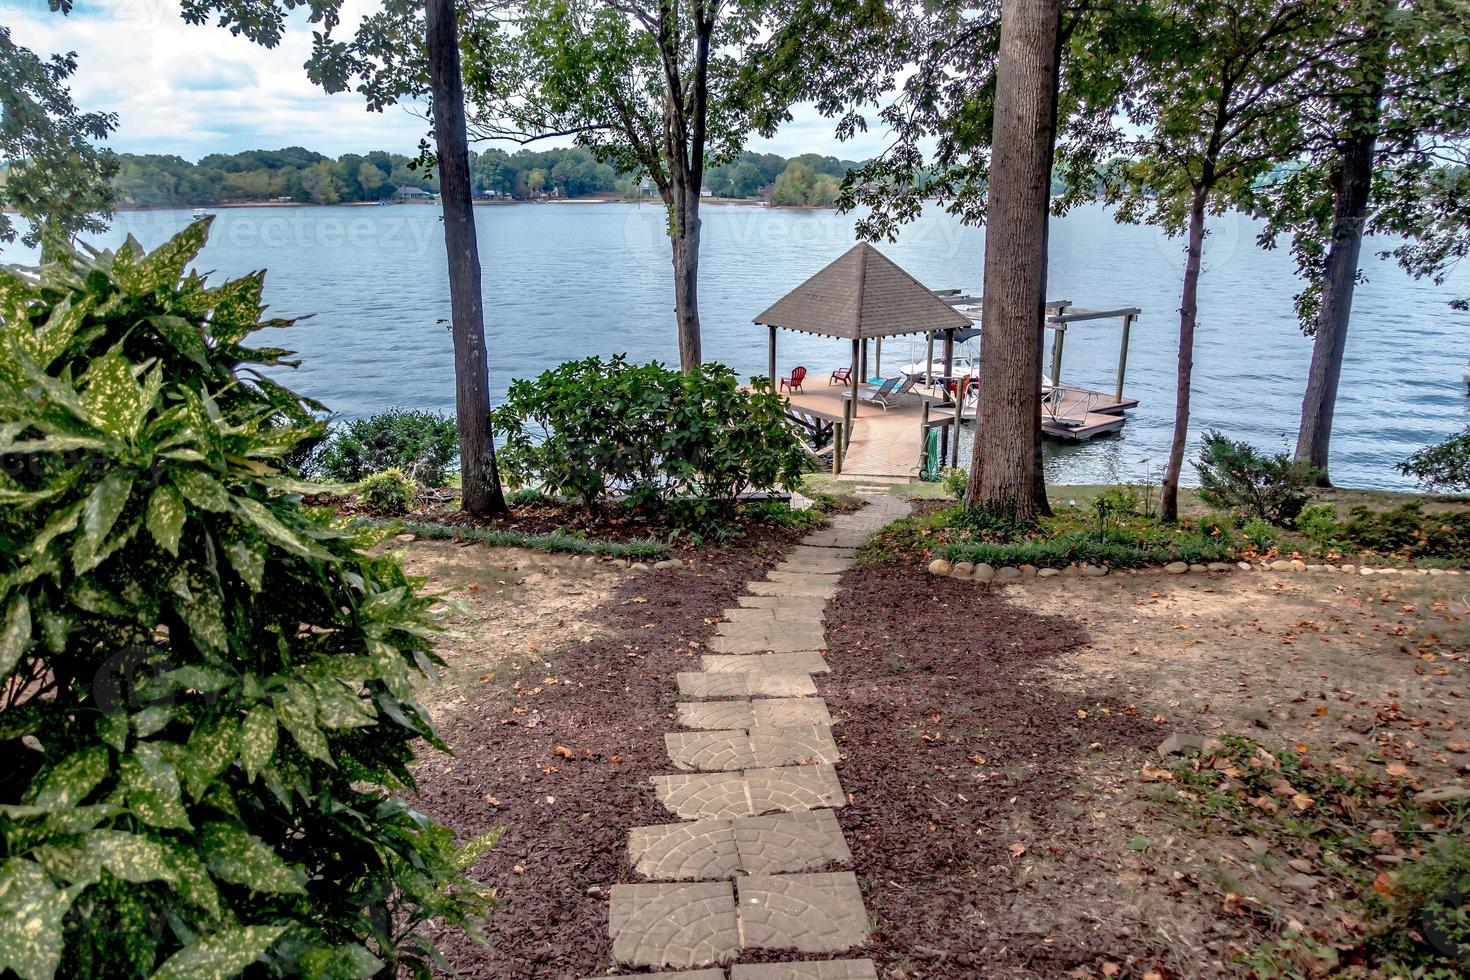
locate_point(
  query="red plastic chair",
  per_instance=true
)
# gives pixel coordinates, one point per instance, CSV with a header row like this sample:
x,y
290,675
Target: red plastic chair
x,y
793,383
841,376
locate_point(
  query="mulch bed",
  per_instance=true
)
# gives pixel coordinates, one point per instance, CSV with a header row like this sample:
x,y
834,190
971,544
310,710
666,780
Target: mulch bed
x,y
567,819
948,731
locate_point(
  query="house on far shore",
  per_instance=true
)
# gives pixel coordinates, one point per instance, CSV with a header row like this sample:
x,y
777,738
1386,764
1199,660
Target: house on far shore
x,y
412,194
706,192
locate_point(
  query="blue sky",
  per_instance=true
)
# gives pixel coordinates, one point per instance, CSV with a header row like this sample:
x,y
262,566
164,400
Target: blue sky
x,y
190,90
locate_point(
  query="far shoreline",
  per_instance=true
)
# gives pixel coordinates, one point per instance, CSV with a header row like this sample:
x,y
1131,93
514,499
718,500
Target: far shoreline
x,y
479,202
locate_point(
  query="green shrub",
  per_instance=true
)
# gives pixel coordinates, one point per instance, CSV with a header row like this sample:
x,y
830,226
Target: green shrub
x,y
1318,524
1235,475
1262,535
388,492
682,443
1220,526
1442,466
209,692
954,481
1408,532
423,445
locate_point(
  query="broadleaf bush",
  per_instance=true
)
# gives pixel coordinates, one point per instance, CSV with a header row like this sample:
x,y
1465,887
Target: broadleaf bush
x,y
1235,475
1443,465
206,691
683,444
424,445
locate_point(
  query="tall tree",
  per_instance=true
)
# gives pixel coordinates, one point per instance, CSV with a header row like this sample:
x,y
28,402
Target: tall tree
x,y
1388,146
1212,119
55,175
1004,476
650,86
404,53
479,477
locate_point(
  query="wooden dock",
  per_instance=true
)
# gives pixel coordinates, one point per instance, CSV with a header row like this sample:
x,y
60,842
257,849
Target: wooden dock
x,y
884,445
887,445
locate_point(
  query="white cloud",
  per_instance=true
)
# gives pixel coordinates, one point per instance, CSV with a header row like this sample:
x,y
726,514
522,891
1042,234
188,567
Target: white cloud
x,y
194,90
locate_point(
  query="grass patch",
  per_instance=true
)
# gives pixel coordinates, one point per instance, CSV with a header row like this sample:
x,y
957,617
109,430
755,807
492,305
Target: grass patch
x,y
552,541
1403,866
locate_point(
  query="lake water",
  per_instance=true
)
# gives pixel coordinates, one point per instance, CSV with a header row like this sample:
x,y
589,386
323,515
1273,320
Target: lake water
x,y
570,280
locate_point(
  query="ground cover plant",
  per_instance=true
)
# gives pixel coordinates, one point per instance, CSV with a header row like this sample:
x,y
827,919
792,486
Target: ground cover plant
x,y
683,444
1443,465
1109,532
208,691
1401,858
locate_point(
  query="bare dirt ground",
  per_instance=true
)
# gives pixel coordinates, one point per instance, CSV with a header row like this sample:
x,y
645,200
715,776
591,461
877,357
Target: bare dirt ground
x,y
1361,674
508,609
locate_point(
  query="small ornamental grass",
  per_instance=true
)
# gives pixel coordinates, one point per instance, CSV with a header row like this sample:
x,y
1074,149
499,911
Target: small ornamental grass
x,y
208,692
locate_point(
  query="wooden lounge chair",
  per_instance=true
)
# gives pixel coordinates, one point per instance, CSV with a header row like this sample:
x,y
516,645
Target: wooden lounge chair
x,y
890,391
793,383
841,376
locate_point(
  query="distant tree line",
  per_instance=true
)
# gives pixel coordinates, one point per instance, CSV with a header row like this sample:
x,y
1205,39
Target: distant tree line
x,y
305,176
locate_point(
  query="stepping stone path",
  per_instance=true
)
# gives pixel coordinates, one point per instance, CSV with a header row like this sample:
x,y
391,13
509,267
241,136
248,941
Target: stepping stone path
x,y
755,779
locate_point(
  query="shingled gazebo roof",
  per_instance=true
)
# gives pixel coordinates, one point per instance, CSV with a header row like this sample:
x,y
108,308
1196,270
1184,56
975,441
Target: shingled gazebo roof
x,y
862,294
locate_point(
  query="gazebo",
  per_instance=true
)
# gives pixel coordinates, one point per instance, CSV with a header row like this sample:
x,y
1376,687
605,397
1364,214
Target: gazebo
x,y
861,295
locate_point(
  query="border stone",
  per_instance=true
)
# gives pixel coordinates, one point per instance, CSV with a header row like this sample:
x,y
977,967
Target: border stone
x,y
673,924
713,974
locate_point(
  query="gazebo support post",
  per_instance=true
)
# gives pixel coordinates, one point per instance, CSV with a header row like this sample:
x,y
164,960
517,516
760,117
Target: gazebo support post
x,y
1123,356
924,440
865,360
878,359
852,395
959,407
771,366
949,357
837,449
929,362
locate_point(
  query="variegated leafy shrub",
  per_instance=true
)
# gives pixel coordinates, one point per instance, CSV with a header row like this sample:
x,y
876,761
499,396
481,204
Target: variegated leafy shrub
x,y
208,692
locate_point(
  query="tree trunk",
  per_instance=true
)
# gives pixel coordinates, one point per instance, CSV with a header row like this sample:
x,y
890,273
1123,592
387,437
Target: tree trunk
x,y
1188,308
1005,473
479,476
1353,184
685,244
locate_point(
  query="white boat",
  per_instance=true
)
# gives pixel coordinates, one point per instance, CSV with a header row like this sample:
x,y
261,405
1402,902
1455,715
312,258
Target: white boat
x,y
202,213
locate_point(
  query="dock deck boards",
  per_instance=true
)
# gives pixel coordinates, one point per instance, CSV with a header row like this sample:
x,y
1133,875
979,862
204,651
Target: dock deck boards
x,y
886,445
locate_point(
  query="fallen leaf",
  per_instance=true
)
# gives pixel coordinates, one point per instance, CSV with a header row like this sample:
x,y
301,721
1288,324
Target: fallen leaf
x,y
562,751
1151,775
1017,849
519,869
491,800
1397,769
1383,884
1382,838
616,760
1302,802
1111,969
